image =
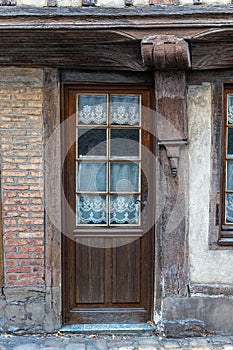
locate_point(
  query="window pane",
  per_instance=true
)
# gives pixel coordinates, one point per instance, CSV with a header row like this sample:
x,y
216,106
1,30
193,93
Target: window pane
x,y
91,209
124,209
230,142
125,110
91,109
229,207
91,177
125,143
230,109
92,143
124,177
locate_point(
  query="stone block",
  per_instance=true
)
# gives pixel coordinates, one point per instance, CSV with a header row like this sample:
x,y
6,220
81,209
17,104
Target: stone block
x,y
185,328
163,2
69,3
36,3
216,2
110,3
29,346
7,2
186,2
75,347
141,2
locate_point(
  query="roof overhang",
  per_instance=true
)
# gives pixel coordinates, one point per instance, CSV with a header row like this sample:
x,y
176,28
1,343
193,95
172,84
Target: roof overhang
x,y
97,38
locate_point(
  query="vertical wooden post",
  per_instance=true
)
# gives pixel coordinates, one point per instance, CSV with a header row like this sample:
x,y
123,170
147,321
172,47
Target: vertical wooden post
x,y
169,57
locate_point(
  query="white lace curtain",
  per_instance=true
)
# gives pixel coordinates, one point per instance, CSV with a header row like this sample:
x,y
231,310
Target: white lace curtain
x,y
92,208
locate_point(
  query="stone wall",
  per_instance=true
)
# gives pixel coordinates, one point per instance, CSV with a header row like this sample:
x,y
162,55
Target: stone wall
x,y
109,3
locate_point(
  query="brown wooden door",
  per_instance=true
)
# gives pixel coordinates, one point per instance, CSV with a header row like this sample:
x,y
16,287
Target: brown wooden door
x,y
108,211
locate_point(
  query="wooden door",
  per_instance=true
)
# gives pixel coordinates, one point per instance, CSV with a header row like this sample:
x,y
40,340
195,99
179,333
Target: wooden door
x,y
108,211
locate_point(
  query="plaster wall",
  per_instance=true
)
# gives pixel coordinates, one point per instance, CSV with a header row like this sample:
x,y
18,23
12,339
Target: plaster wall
x,y
204,263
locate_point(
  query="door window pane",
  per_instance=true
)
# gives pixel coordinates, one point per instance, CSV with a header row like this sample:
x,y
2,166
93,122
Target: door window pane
x,y
92,143
91,177
124,209
124,177
91,109
125,110
91,209
125,143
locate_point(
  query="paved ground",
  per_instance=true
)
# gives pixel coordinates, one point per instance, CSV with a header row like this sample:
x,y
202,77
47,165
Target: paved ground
x,y
111,342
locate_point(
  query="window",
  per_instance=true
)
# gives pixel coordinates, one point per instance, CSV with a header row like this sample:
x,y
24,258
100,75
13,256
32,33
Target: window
x,y
108,158
227,170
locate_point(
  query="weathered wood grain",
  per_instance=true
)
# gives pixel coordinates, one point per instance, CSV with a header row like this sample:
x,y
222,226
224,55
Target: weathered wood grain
x,y
213,55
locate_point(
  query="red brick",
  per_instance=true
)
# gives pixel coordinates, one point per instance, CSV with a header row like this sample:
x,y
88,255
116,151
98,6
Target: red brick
x,y
31,221
30,262
10,250
10,194
9,208
11,276
37,215
29,194
18,269
14,173
17,229
17,242
32,275
18,256
37,201
31,249
10,263
38,256
9,222
10,235
31,235
16,201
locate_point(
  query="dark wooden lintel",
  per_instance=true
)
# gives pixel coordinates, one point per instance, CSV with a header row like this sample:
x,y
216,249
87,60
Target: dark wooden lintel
x,y
154,16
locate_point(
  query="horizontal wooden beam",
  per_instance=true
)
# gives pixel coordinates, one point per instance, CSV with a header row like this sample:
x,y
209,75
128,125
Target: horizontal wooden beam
x,y
169,16
215,55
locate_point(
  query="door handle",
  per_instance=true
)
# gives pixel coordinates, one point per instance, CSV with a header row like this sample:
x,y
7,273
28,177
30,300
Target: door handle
x,y
143,201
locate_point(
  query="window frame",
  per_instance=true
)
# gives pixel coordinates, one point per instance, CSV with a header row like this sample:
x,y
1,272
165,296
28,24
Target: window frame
x,y
226,230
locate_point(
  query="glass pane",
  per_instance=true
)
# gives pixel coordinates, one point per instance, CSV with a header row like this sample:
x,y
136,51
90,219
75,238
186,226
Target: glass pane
x,y
92,143
229,207
91,109
91,209
91,177
125,110
229,175
125,143
124,209
230,109
124,177
230,142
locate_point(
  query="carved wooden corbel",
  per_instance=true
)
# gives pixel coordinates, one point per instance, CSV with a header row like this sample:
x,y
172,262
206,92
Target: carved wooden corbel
x,y
169,57
165,53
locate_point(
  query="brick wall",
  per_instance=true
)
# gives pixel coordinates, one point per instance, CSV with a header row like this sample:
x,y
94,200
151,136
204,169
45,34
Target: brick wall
x,y
109,3
22,175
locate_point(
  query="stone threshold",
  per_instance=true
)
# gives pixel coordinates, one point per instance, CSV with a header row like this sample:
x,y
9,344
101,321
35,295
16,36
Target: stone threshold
x,y
111,327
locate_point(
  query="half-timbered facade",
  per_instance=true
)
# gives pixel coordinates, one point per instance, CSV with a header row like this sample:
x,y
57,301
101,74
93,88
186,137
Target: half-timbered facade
x,y
116,165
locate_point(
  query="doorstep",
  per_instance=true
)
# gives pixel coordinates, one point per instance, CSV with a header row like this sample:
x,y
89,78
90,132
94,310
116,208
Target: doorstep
x,y
107,328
